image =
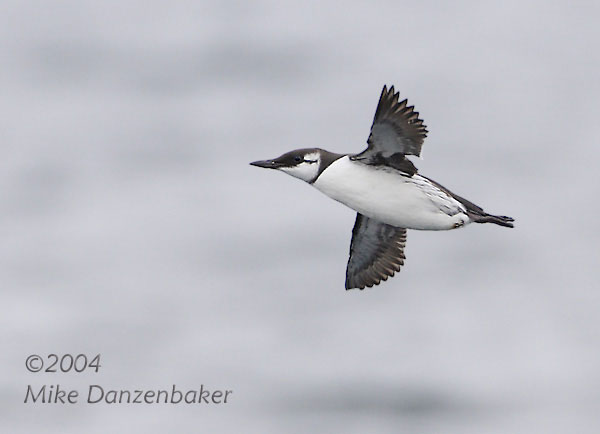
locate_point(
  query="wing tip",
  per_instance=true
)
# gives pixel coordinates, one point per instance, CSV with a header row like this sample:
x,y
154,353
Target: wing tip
x,y
390,106
375,278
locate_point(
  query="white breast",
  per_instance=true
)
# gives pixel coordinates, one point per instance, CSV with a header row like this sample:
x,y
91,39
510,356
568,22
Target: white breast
x,y
382,193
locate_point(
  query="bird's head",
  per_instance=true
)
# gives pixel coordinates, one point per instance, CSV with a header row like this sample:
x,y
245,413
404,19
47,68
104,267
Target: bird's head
x,y
301,163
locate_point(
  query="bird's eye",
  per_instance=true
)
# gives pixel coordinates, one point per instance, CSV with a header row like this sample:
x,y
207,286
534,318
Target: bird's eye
x,y
298,159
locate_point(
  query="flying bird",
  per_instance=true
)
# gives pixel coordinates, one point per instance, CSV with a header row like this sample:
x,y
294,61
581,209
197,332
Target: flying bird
x,y
385,189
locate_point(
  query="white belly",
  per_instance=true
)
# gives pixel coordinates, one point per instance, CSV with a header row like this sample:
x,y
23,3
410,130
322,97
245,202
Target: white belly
x,y
385,195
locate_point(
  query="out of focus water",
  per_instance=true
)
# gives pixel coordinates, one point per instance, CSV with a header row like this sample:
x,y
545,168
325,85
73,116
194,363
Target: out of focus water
x,y
133,226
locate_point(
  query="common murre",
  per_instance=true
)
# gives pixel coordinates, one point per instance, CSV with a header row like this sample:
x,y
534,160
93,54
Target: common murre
x,y
385,189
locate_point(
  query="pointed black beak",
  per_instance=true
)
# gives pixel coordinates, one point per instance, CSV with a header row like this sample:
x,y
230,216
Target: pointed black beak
x,y
267,164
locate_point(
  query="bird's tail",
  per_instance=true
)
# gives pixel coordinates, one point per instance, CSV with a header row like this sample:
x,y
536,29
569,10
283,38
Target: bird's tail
x,y
501,220
475,212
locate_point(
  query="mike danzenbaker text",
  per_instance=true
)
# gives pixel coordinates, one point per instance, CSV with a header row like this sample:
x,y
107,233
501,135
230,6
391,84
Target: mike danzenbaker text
x,y
96,394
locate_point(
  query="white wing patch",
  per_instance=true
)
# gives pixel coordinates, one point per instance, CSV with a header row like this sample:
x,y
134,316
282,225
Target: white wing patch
x,y
441,199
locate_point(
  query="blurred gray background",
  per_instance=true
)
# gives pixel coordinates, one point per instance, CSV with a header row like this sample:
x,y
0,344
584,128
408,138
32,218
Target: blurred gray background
x,y
132,225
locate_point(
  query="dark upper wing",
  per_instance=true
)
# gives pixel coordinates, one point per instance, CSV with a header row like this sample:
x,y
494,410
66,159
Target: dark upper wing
x,y
376,252
396,128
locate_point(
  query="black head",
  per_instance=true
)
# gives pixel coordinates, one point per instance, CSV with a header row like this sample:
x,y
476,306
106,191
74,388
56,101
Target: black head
x,y
300,163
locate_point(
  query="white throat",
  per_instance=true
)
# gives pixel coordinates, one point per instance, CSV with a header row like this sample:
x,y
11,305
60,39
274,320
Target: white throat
x,y
307,170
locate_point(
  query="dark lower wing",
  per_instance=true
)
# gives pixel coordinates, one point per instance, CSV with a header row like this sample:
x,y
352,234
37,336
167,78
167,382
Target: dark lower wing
x,y
376,252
